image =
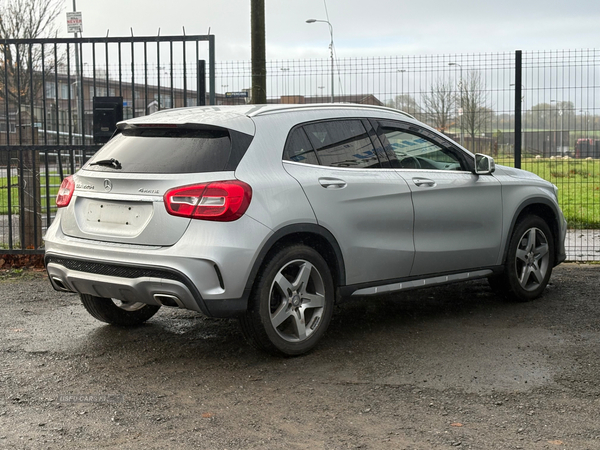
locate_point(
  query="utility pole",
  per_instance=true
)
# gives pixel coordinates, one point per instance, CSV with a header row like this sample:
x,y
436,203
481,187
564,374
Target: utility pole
x,y
259,63
79,100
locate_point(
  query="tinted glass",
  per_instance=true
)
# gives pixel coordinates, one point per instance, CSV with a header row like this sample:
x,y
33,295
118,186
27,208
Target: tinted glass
x,y
416,152
299,149
342,143
166,150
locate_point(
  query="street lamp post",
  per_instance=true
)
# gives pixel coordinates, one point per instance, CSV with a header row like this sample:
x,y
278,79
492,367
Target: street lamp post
x,y
561,114
402,71
285,71
587,121
460,110
587,140
330,48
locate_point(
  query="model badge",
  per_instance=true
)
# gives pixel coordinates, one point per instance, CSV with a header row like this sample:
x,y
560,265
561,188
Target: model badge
x,y
147,191
107,185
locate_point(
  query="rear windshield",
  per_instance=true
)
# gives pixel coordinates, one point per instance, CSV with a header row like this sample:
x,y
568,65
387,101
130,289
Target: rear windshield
x,y
171,150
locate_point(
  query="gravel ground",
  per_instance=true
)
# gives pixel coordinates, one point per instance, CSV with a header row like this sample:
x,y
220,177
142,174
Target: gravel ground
x,y
449,367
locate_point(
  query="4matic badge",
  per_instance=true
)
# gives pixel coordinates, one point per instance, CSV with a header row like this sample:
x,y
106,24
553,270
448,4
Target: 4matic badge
x,y
147,191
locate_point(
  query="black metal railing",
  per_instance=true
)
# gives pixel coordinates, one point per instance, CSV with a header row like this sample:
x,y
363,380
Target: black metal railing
x,y
47,92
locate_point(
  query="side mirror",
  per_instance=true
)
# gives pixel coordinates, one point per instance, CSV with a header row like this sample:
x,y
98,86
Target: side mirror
x,y
484,165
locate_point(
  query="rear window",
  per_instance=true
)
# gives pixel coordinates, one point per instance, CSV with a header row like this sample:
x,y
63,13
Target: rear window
x,y
172,150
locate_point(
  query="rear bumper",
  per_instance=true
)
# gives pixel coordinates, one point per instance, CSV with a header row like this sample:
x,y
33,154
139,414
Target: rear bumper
x,y
207,270
145,284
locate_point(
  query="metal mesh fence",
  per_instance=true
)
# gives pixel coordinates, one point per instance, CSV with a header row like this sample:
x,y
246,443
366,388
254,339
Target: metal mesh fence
x,y
561,139
470,97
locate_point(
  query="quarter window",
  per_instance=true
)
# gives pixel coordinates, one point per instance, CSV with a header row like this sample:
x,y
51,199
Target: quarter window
x,y
342,143
299,149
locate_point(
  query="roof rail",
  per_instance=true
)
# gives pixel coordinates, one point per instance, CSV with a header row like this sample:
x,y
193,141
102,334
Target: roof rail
x,y
274,107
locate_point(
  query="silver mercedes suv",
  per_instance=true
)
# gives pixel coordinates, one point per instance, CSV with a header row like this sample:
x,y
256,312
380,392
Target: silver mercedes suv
x,y
273,213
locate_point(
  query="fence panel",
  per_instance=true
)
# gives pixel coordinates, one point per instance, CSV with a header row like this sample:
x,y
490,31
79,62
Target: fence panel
x,y
561,138
470,97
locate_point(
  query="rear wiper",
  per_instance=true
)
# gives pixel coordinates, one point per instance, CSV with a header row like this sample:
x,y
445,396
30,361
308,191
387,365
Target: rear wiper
x,y
112,162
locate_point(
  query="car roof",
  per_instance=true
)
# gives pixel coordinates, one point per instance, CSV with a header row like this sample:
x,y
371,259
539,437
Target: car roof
x,y
239,117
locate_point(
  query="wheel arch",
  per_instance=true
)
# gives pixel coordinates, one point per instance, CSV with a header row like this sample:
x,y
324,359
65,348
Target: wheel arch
x,y
312,235
546,210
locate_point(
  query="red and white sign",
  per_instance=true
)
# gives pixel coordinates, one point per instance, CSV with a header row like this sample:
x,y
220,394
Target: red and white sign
x,y
74,22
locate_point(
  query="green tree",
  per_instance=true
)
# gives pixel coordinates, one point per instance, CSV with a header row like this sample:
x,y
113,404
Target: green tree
x,y
551,116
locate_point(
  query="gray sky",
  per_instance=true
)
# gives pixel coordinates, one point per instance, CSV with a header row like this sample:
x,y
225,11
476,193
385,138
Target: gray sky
x,y
361,27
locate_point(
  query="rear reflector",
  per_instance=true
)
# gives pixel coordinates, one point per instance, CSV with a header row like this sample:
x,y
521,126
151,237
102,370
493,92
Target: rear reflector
x,y
222,201
65,192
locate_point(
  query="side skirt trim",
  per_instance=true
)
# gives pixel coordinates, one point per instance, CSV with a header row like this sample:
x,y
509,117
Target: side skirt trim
x,y
413,284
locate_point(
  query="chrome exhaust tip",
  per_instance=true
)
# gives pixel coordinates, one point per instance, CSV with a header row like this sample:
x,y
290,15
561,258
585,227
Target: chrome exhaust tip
x,y
59,285
169,300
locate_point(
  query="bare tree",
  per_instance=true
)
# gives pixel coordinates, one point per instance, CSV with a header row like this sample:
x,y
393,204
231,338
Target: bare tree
x,y
21,69
439,103
20,65
473,99
406,103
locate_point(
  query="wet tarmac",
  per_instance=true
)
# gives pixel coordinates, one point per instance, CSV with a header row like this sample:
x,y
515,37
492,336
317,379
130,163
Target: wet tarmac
x,y
453,366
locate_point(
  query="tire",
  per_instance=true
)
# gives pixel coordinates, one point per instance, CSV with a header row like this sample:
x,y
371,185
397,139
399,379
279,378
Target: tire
x,y
123,315
291,302
529,261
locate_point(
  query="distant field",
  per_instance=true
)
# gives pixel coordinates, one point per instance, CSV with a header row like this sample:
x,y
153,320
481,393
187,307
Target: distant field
x,y
578,182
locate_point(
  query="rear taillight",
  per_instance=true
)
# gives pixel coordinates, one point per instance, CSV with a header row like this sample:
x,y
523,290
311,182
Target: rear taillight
x,y
65,192
223,201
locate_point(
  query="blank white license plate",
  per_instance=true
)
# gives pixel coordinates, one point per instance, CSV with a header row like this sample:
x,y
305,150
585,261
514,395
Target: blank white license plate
x,y
115,218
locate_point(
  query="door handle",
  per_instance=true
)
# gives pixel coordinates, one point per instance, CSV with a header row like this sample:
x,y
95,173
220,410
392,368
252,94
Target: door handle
x,y
424,182
332,183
